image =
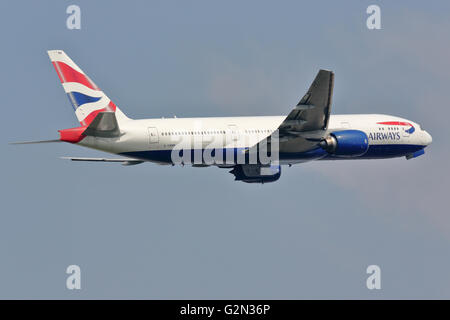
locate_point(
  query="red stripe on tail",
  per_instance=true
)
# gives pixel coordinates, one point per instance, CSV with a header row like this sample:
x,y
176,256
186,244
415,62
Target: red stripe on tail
x,y
91,116
67,74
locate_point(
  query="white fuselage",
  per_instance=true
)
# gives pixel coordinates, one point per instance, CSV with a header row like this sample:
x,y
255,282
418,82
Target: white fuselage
x,y
154,139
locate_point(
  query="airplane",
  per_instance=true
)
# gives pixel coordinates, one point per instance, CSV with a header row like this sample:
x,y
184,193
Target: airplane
x,y
309,132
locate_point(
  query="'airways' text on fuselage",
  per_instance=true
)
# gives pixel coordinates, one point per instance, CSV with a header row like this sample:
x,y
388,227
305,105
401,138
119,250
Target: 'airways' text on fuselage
x,y
393,136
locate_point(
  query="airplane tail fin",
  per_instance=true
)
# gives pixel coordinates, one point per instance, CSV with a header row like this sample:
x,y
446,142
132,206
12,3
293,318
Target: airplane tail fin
x,y
85,96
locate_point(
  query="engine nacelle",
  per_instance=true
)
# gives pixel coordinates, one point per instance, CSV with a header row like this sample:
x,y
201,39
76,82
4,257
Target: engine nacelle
x,y
254,173
346,143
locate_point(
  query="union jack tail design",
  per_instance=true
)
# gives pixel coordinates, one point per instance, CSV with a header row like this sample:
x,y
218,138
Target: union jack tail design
x,y
86,97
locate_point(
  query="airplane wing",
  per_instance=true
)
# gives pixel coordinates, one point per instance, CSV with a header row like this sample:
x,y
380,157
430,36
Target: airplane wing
x,y
313,110
307,123
124,161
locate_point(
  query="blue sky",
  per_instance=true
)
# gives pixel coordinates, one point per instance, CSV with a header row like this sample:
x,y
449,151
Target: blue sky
x,y
151,231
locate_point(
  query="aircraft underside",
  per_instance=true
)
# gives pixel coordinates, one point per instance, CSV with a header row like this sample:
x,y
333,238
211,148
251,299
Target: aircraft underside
x,y
230,156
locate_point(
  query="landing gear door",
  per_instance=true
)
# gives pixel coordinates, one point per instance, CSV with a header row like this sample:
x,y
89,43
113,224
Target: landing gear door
x,y
153,135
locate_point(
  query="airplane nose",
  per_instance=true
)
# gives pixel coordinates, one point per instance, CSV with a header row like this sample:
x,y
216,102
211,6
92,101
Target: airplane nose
x,y
427,138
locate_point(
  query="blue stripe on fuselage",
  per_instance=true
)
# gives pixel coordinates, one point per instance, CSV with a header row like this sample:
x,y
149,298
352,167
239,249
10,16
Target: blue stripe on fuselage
x,y
380,151
375,152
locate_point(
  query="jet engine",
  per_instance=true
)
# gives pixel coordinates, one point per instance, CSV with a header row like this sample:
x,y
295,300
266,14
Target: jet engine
x,y
254,173
346,143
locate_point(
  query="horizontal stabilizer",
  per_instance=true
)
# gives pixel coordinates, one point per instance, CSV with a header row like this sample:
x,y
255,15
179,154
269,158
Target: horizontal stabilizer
x,y
33,142
124,161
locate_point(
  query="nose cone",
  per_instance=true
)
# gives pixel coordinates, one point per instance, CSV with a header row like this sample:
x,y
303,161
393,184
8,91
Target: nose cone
x,y
427,139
